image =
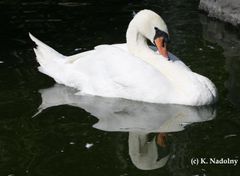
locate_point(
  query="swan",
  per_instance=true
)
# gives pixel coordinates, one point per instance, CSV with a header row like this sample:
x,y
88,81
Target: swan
x,y
131,70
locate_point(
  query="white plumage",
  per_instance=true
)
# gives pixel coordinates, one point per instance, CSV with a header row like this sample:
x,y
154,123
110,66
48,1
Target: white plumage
x,y
131,70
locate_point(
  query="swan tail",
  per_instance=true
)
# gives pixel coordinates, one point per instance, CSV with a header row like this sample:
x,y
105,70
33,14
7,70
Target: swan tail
x,y
45,55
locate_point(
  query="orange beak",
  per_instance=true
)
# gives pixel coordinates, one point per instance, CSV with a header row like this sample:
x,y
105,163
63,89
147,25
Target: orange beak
x,y
161,46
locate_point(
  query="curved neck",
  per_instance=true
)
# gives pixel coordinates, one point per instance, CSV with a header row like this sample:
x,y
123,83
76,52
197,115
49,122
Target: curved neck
x,y
137,43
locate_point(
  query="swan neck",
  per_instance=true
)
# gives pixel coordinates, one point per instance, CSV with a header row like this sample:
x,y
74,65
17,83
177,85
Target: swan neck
x,y
137,42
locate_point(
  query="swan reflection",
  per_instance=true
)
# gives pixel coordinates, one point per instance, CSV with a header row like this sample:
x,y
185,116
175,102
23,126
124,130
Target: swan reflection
x,y
148,154
125,115
138,118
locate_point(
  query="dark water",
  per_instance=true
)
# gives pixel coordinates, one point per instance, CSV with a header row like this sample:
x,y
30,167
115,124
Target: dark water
x,y
66,139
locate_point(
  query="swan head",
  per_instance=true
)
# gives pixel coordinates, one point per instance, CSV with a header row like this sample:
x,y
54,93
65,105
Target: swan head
x,y
152,27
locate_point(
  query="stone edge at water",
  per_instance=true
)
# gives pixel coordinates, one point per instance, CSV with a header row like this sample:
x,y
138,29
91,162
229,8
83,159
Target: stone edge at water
x,y
228,11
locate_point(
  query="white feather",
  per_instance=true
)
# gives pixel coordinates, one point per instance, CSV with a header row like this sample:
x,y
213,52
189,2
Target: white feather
x,y
130,71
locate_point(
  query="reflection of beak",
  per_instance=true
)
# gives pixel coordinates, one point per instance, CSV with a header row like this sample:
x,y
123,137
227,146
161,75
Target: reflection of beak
x,y
161,139
161,46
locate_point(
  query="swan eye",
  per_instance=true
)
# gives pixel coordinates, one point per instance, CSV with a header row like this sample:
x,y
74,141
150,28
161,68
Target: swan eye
x,y
160,33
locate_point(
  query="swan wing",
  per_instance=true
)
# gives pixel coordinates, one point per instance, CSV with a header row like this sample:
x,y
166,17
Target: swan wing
x,y
111,71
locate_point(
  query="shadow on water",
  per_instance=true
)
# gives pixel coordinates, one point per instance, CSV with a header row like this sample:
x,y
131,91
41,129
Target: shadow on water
x,y
129,138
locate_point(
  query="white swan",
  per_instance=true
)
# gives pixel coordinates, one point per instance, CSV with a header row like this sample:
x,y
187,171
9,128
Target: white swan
x,y
131,70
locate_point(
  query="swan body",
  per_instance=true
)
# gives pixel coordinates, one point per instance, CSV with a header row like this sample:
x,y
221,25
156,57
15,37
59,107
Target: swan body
x,y
130,70
117,114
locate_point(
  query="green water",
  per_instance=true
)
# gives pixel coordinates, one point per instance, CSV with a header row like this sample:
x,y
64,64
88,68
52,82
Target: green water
x,y
65,138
